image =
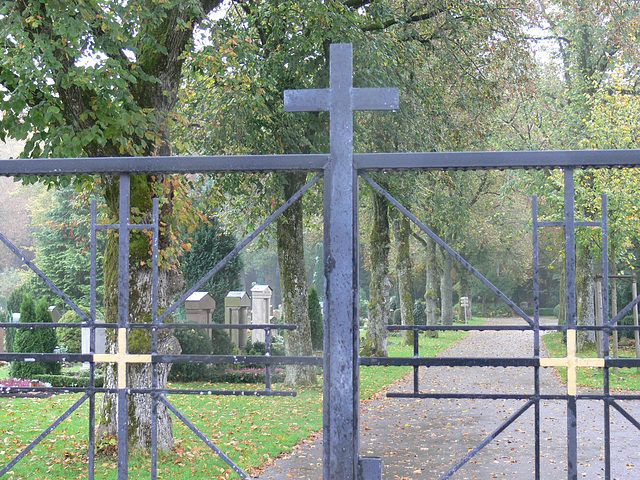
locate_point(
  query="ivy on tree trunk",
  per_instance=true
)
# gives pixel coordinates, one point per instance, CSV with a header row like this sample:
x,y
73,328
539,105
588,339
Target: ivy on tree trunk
x,y
375,343
446,287
431,286
402,231
295,300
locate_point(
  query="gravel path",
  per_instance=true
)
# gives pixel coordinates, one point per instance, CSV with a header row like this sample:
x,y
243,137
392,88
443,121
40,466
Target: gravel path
x,y
423,439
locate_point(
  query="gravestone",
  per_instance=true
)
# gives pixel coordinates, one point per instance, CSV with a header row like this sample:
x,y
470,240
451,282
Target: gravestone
x,y
86,341
236,312
200,307
55,313
261,313
1,340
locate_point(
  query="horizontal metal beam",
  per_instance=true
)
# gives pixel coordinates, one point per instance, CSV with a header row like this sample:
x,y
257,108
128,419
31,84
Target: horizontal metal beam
x,y
193,164
317,162
498,160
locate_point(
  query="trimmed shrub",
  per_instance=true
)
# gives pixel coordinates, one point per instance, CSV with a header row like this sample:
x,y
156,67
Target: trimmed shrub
x,y
69,380
245,376
193,342
259,348
221,343
70,339
14,302
317,322
9,333
35,340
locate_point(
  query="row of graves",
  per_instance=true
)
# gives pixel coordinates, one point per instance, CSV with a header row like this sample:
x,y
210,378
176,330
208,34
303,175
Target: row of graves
x,y
240,308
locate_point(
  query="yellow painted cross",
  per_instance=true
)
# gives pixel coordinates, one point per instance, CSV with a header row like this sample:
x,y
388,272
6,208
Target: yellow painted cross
x,y
122,358
572,362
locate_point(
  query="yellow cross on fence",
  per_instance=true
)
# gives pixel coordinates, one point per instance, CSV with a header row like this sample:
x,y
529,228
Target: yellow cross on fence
x,y
572,362
122,358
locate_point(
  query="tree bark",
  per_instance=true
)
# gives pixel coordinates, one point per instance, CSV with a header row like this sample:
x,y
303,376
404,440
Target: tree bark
x,y
375,343
402,231
585,287
295,300
465,291
139,340
446,288
431,286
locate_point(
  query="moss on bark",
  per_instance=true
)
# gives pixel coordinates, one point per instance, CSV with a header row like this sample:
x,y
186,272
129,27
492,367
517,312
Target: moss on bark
x,y
375,342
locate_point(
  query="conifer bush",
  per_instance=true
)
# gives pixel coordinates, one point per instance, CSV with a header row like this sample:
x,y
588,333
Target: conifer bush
x,y
34,340
70,339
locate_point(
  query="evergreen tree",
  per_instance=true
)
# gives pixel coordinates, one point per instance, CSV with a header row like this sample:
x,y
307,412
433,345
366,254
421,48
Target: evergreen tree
x,y
62,249
210,245
34,340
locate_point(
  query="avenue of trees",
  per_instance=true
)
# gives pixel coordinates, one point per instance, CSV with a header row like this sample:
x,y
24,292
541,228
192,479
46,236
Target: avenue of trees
x,y
111,78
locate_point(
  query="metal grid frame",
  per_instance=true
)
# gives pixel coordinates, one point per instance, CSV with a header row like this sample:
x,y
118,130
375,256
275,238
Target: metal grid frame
x,y
340,169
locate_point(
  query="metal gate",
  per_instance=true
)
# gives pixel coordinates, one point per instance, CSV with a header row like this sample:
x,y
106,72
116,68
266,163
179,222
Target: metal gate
x,y
340,170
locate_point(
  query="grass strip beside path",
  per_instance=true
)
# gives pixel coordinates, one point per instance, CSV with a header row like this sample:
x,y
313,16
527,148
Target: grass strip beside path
x,y
619,378
251,430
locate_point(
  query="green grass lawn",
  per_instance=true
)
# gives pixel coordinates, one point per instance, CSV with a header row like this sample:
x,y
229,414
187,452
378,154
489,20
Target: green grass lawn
x,y
619,379
251,430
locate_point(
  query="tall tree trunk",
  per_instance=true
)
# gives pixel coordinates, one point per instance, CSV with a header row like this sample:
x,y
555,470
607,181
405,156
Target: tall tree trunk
x,y
465,291
586,290
375,343
293,278
402,231
446,288
139,340
431,286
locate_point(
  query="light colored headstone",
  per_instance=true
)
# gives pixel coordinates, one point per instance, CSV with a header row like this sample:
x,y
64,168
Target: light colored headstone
x,y
260,309
100,341
236,306
200,307
1,340
55,313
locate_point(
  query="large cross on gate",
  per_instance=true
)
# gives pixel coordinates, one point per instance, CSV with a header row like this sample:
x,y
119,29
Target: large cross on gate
x,y
341,367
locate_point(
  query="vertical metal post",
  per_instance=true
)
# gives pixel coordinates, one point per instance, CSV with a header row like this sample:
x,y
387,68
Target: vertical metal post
x,y
123,318
341,369
634,294
341,383
92,338
154,338
604,337
570,242
536,335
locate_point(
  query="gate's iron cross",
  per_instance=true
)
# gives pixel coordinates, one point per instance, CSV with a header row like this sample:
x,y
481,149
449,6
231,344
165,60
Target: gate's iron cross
x,y
572,362
341,375
341,99
122,358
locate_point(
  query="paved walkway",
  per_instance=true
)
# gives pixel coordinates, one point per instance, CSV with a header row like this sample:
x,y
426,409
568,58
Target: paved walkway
x,y
423,439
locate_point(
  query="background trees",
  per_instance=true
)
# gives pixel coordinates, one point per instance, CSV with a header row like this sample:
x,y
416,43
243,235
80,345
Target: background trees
x,y
102,81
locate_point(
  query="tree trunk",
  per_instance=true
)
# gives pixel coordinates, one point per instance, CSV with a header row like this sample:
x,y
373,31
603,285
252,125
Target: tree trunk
x,y
375,343
585,289
295,300
431,286
402,231
139,340
465,291
446,288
